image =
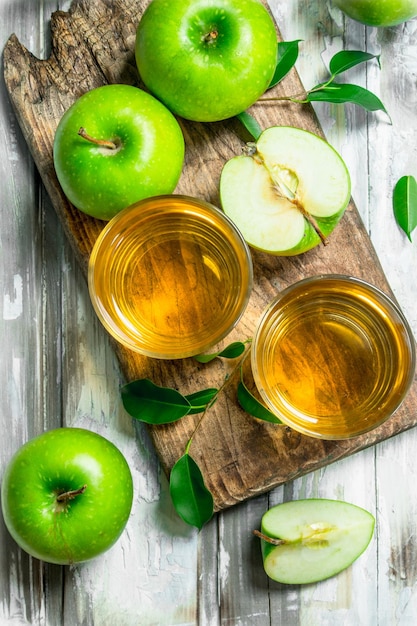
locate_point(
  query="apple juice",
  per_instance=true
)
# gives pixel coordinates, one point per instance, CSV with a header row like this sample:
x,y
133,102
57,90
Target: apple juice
x,y
170,277
333,357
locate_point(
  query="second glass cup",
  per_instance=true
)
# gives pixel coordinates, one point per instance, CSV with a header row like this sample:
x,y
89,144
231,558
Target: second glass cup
x,y
333,356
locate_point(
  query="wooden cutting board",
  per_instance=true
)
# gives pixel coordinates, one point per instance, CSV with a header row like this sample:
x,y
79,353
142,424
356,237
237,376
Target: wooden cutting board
x,y
239,456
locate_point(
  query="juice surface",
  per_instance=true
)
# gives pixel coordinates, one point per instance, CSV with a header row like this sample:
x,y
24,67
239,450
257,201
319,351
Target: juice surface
x,y
178,288
335,361
171,278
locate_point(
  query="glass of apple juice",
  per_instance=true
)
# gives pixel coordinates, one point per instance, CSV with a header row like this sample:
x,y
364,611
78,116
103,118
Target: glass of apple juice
x,y
333,356
170,276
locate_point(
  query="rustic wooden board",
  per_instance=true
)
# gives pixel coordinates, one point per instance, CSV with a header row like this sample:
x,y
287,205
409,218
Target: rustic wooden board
x,y
240,457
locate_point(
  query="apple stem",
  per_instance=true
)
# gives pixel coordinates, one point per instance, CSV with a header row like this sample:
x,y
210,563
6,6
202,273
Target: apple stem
x,y
273,540
70,495
99,142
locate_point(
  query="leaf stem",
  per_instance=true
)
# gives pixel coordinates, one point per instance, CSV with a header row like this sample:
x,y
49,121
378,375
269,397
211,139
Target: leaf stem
x,y
221,388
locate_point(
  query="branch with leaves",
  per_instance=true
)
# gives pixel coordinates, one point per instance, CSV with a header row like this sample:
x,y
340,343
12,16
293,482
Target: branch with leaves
x,y
328,91
157,405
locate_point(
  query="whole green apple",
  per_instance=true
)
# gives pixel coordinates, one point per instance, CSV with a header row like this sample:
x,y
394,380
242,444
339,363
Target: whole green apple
x,y
114,146
67,495
206,60
379,12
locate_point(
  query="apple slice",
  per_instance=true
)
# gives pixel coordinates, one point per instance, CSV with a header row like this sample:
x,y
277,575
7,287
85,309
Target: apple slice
x,y
306,541
287,192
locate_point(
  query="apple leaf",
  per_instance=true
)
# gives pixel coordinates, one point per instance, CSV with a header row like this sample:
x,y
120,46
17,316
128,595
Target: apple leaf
x,y
251,405
287,56
340,93
232,351
346,59
249,122
190,496
152,404
405,204
200,400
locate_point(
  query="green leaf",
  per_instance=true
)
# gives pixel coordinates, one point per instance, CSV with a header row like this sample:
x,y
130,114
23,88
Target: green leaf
x,y
251,405
340,93
405,204
152,404
201,399
250,123
231,351
190,496
286,58
346,59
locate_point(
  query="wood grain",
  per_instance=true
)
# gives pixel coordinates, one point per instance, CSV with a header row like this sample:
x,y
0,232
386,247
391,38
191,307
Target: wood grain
x,y
240,457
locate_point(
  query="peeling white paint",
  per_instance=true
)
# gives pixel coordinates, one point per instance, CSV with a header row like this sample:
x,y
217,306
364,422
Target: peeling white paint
x,y
13,302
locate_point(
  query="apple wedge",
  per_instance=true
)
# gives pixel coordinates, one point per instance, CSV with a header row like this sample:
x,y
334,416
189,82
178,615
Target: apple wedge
x,y
287,192
306,541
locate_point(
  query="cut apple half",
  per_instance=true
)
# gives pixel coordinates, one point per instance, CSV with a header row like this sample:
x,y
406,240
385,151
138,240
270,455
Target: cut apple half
x,y
306,541
287,193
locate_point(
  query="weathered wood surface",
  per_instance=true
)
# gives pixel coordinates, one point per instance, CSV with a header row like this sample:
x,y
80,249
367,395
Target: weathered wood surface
x,y
91,44
58,367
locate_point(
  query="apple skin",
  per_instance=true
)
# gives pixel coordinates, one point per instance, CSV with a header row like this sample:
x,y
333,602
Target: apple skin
x,y
148,162
57,461
378,12
201,79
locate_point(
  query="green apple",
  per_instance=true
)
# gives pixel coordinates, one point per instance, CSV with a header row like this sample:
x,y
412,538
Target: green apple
x,y
114,146
207,60
288,191
379,12
306,541
67,495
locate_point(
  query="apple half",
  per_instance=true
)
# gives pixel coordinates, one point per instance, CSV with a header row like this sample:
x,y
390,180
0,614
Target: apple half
x,y
306,541
287,192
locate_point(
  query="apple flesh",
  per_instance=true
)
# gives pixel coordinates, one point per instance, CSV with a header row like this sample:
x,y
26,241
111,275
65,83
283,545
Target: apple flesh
x,y
135,150
67,495
379,12
206,60
287,193
314,539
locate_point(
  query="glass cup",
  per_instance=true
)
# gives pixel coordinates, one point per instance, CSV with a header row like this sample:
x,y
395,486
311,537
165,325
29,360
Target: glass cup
x,y
170,276
333,356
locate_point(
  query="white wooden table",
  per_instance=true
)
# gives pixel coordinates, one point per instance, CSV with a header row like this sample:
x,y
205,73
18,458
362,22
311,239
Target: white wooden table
x,y
57,368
